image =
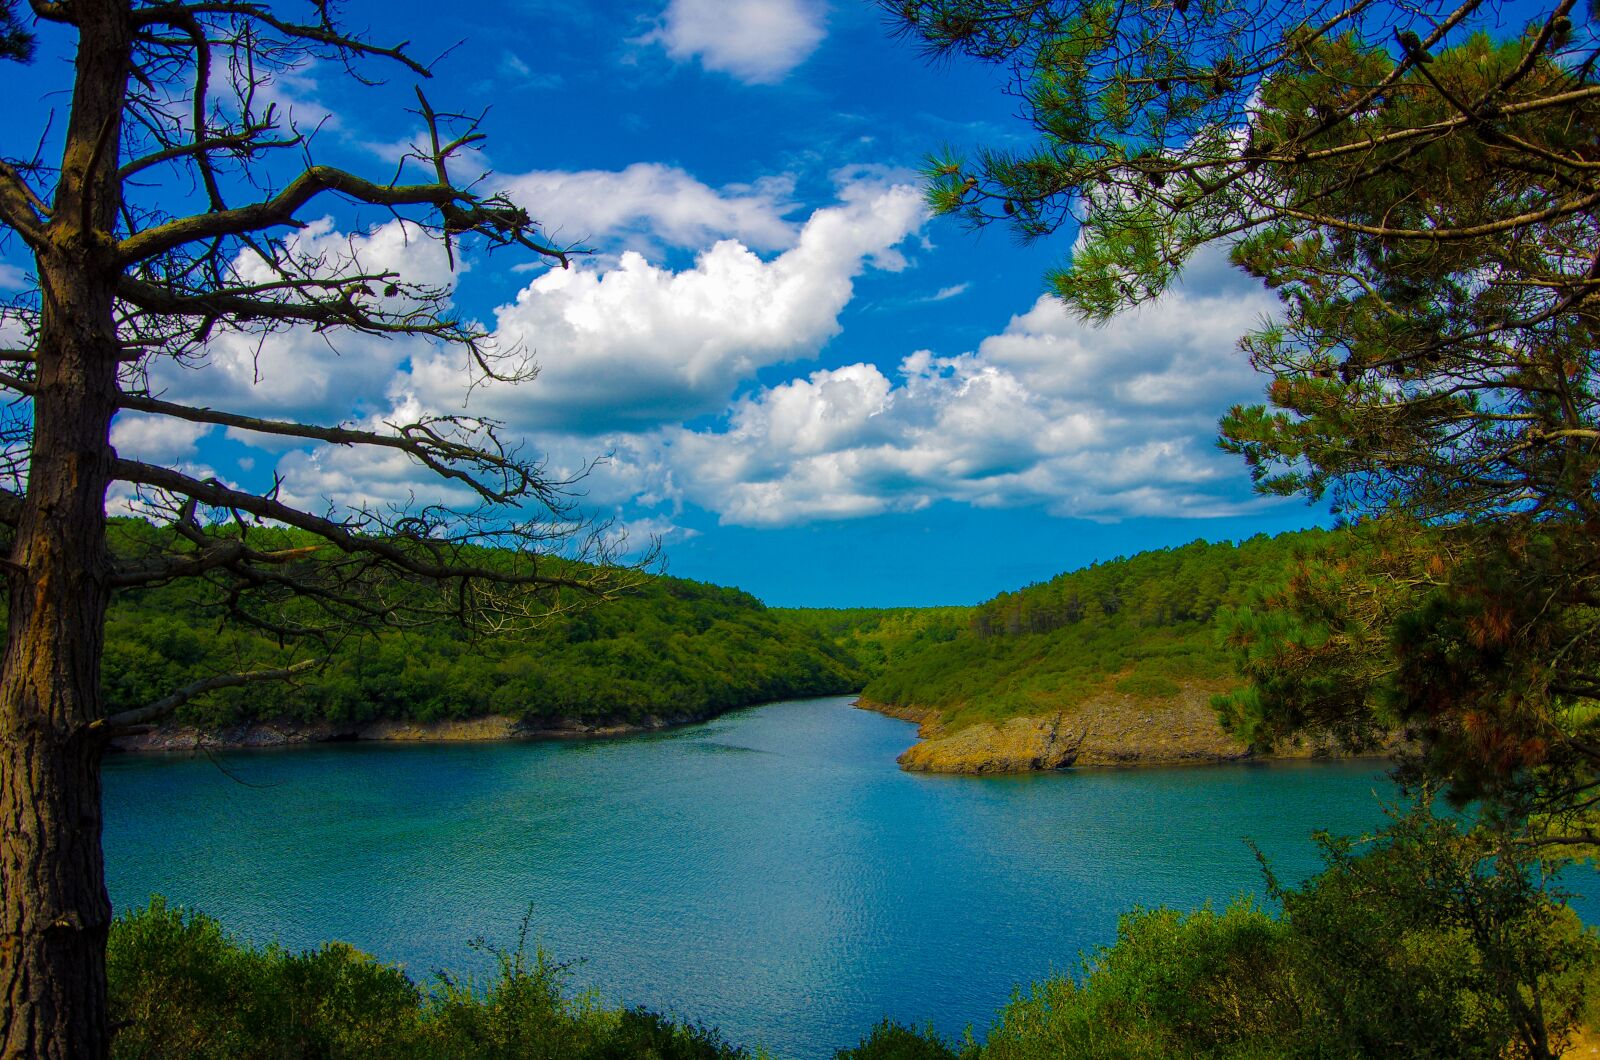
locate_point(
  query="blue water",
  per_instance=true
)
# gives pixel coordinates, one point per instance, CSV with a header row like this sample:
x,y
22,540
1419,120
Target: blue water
x,y
770,872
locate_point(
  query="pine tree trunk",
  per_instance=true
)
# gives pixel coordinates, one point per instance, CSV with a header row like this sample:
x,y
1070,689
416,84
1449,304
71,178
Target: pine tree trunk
x,y
52,951
52,878
54,912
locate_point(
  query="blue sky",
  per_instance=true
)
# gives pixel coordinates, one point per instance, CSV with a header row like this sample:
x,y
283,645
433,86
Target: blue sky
x,y
806,386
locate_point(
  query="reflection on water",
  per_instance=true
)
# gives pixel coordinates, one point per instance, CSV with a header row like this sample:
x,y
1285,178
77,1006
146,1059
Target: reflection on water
x,y
770,872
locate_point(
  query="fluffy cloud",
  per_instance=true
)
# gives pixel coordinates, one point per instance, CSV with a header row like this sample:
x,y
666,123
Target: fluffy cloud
x,y
637,346
647,202
156,439
756,41
637,359
1089,422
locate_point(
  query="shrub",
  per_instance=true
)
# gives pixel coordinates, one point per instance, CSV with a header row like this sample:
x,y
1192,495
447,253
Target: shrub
x,y
1201,984
892,1041
1148,686
1437,942
181,988
1428,940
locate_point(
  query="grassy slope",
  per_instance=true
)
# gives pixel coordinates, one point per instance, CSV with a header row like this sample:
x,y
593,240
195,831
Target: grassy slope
x,y
1143,626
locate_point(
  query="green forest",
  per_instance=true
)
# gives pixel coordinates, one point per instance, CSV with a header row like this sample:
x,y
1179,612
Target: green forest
x,y
1142,626
672,648
663,647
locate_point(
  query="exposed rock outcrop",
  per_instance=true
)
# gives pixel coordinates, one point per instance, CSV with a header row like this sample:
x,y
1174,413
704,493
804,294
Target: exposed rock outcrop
x,y
1017,745
1108,728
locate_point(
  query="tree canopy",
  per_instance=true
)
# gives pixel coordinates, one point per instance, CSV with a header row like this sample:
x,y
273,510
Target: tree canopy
x,y
661,649
1418,182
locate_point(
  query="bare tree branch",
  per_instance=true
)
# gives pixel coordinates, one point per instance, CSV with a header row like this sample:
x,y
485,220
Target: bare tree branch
x,y
163,707
217,495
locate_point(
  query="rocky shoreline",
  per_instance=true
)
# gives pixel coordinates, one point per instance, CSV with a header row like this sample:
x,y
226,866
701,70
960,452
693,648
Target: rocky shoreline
x,y
289,732
1104,730
1107,729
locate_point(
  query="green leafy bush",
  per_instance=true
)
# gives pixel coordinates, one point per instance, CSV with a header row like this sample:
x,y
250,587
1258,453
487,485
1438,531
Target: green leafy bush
x,y
1201,984
1148,686
1436,942
894,1041
182,988
1427,941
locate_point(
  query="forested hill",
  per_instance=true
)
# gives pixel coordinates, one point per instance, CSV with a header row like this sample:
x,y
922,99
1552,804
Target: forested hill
x,y
1141,626
673,648
667,648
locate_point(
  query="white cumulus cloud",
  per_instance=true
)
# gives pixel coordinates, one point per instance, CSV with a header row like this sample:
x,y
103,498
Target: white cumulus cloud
x,y
647,201
637,346
301,373
756,41
156,439
1089,422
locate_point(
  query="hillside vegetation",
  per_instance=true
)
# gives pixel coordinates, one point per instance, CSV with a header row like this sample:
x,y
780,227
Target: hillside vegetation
x,y
666,647
880,638
1143,628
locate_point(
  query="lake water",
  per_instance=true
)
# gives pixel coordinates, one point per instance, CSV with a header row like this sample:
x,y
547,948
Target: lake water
x,y
770,872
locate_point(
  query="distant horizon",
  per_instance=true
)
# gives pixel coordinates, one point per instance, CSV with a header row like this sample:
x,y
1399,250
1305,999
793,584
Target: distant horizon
x,y
774,564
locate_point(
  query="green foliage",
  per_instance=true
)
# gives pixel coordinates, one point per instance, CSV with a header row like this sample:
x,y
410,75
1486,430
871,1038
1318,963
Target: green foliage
x,y
1147,686
1451,382
1163,128
894,1041
16,41
1201,984
1426,941
877,638
182,988
1442,374
667,648
1437,942
1457,638
1316,648
1140,626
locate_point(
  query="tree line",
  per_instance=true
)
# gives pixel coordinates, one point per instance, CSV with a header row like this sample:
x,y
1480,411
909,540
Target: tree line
x,y
662,646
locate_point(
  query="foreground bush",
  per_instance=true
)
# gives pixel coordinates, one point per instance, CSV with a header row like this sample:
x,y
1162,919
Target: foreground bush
x,y
1431,942
181,987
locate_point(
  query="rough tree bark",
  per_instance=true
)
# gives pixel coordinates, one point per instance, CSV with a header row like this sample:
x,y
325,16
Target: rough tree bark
x,y
56,912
